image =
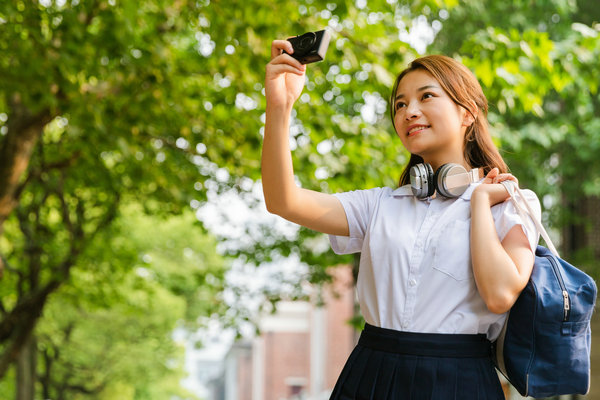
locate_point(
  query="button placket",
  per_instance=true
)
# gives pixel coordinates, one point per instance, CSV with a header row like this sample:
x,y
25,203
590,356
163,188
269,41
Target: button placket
x,y
416,259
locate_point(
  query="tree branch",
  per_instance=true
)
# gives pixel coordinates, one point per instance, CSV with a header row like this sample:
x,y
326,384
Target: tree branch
x,y
24,130
57,165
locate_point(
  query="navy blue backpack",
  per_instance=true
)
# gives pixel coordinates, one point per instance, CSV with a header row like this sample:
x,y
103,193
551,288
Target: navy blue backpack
x,y
544,347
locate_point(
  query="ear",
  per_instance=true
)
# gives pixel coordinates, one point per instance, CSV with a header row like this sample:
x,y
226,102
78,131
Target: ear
x,y
468,114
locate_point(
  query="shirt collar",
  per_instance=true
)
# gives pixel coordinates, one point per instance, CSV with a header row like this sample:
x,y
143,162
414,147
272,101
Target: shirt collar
x,y
402,191
407,191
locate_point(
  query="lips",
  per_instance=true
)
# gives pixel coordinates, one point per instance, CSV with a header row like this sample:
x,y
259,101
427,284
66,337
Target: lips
x,y
414,129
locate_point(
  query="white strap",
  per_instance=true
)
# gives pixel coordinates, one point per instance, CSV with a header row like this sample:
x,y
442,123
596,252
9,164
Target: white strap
x,y
500,347
510,187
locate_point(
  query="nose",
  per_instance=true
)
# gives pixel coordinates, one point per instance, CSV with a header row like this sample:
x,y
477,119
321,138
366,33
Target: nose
x,y
412,110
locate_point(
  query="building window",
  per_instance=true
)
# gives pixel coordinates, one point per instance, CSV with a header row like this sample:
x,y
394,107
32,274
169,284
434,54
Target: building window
x,y
296,387
296,390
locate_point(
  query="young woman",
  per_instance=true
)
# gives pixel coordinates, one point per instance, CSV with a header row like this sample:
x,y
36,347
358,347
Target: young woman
x,y
441,262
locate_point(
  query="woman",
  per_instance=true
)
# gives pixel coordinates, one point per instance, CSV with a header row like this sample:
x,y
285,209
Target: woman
x,y
440,264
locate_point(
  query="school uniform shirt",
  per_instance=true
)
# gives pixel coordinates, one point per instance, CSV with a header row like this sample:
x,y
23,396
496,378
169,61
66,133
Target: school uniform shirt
x,y
415,271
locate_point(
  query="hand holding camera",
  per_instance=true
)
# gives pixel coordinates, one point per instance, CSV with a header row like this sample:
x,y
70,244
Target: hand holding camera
x,y
311,46
285,72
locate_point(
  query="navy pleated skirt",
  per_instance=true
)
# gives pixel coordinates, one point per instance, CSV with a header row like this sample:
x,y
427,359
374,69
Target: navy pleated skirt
x,y
388,364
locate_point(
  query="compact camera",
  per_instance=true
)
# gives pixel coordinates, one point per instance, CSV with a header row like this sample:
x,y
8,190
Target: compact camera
x,y
311,46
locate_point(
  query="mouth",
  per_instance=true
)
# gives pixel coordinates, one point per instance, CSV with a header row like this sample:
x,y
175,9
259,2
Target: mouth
x,y
415,129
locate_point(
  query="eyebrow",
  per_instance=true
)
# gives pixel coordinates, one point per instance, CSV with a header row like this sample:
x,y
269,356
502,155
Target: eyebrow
x,y
419,90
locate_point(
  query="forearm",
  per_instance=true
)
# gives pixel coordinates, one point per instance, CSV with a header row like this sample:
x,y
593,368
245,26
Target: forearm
x,y
276,163
498,277
284,81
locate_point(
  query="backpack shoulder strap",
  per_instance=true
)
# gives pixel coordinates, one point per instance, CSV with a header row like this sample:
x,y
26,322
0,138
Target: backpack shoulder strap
x,y
512,188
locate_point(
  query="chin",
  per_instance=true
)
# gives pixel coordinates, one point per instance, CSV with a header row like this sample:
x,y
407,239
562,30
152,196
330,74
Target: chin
x,y
416,150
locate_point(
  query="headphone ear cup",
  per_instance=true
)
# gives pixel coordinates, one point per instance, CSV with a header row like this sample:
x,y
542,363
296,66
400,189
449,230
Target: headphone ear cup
x,y
438,179
422,180
430,180
441,180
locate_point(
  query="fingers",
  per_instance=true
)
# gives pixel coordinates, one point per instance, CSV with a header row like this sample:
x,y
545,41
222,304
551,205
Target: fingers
x,y
284,62
278,68
277,53
494,176
505,177
490,175
278,46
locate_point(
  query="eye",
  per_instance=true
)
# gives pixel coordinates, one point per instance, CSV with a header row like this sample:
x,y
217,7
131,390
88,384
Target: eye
x,y
399,105
427,95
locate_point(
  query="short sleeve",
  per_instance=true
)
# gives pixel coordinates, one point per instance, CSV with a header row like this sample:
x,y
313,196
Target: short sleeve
x,y
359,206
506,217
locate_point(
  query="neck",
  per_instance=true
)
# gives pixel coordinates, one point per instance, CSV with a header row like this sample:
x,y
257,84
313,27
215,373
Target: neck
x,y
438,162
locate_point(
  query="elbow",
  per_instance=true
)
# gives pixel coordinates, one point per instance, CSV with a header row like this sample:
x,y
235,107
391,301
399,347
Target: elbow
x,y
500,300
497,307
276,208
272,203
279,203
272,208
499,303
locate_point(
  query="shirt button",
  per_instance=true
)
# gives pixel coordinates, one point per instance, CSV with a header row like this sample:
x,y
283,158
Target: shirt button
x,y
412,282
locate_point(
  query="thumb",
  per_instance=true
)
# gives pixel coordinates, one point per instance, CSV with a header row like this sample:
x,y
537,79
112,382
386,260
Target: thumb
x,y
493,173
489,178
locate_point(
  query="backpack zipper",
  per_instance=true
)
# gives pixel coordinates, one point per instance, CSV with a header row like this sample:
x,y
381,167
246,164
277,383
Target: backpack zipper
x,y
565,294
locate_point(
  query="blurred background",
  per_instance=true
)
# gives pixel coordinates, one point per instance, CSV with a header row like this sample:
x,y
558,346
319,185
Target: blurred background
x,y
137,260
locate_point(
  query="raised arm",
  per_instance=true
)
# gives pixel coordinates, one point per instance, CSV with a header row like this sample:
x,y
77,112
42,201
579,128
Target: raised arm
x,y
319,211
501,269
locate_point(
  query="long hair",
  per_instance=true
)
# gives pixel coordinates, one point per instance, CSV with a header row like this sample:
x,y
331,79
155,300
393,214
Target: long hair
x,y
463,88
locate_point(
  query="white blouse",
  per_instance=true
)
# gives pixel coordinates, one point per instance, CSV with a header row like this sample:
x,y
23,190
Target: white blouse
x,y
415,270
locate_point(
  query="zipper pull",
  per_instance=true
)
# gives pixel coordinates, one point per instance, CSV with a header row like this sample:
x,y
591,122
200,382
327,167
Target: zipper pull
x,y
567,305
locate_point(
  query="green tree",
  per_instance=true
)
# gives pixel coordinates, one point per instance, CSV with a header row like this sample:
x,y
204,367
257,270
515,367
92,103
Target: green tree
x,y
108,332
96,108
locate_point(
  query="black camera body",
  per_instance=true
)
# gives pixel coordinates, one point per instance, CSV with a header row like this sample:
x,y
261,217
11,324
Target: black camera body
x,y
311,46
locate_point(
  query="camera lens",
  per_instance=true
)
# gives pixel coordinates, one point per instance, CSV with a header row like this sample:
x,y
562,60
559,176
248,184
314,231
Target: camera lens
x,y
306,41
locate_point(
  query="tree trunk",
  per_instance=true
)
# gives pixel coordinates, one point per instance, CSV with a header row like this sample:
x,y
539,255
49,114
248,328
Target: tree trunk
x,y
15,152
16,148
19,325
26,370
581,246
44,379
581,237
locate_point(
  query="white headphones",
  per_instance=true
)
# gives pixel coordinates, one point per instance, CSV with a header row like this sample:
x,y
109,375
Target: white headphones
x,y
450,180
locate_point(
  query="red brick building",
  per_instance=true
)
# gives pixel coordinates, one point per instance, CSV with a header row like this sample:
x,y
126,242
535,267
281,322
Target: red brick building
x,y
301,350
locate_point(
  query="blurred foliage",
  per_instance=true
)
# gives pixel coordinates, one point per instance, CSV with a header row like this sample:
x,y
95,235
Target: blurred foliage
x,y
159,104
108,332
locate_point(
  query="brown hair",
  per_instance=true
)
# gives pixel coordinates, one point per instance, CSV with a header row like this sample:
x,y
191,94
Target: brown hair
x,y
463,88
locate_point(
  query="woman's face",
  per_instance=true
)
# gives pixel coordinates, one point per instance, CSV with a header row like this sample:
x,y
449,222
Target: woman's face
x,y
427,121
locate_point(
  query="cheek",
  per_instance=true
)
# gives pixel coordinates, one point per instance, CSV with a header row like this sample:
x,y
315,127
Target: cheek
x,y
453,115
402,138
398,124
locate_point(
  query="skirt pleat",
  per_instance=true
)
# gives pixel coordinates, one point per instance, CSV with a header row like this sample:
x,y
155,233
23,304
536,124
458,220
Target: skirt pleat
x,y
392,365
386,377
347,384
401,376
426,375
481,376
366,387
446,380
